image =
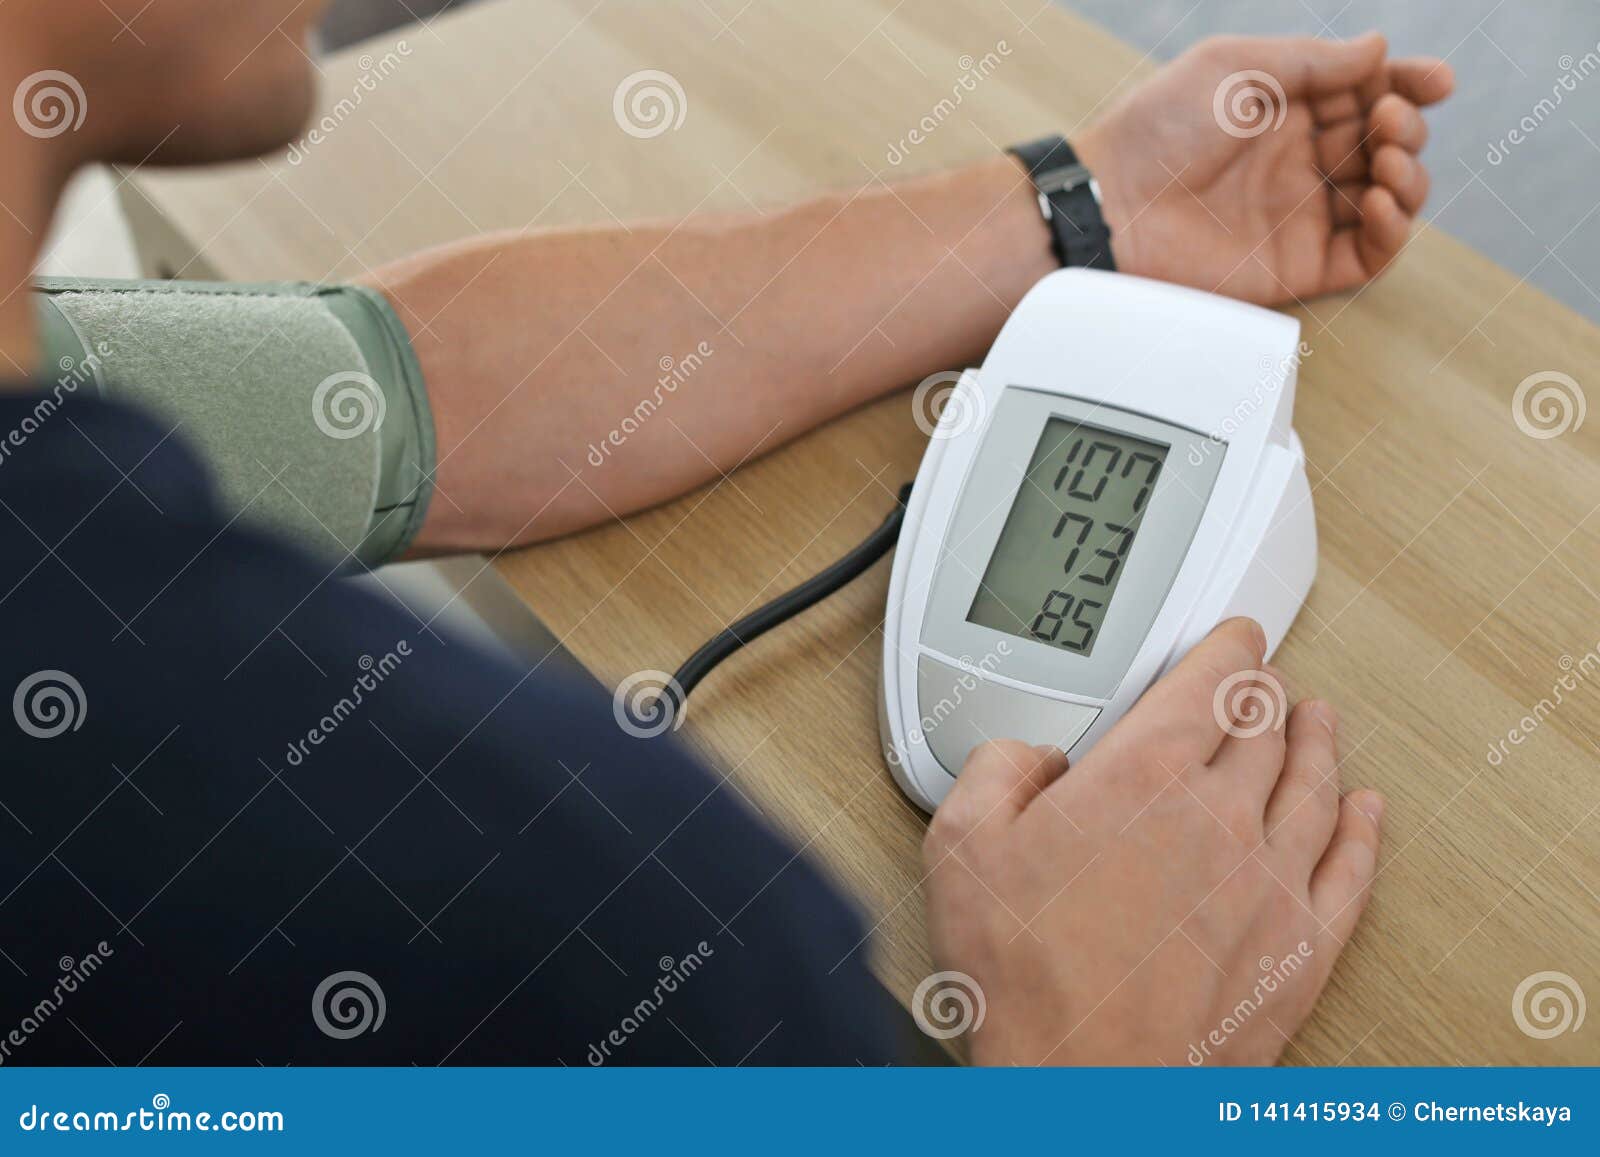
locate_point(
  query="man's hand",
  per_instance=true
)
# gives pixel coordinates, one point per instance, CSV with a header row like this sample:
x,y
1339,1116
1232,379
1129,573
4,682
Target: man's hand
x,y
1267,169
1179,897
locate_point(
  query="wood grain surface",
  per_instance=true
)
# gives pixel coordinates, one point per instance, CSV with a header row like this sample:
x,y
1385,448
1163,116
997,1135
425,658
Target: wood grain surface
x,y
1458,580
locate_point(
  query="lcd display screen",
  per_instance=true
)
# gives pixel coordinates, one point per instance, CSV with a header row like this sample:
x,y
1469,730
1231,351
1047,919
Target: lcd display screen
x,y
1065,544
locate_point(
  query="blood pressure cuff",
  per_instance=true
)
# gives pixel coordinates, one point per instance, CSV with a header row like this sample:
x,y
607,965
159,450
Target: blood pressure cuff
x,y
306,400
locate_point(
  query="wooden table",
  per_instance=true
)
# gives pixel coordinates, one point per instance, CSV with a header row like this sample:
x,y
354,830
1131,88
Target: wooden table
x,y
1460,562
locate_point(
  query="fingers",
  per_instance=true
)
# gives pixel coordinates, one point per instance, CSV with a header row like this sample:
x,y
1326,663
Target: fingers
x,y
1342,151
1179,720
999,779
1403,175
1394,120
1343,878
1304,806
1352,147
1345,150
1423,80
1370,227
1315,67
1345,202
1250,759
1358,253
1331,110
1384,226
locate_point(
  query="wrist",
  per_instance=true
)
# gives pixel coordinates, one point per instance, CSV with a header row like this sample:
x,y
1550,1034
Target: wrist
x,y
1027,235
1069,200
1098,155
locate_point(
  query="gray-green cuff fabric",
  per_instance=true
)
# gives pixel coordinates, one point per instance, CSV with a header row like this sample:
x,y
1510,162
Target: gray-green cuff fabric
x,y
306,400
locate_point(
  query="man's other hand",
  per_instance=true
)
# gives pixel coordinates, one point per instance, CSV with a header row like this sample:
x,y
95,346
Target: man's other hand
x,y
1268,169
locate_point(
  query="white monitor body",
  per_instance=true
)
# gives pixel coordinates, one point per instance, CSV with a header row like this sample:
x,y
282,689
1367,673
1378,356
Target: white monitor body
x,y
1126,367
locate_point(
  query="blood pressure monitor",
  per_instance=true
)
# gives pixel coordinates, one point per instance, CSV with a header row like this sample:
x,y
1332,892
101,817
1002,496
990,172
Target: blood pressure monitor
x,y
1117,478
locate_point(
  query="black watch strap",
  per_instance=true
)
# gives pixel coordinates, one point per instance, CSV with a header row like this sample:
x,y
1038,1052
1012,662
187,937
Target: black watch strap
x,y
1069,199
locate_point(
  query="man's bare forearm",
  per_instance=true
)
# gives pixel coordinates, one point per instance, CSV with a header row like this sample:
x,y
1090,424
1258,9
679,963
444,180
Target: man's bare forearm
x,y
547,354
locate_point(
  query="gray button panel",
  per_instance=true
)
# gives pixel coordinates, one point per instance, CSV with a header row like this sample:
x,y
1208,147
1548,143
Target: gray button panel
x,y
961,709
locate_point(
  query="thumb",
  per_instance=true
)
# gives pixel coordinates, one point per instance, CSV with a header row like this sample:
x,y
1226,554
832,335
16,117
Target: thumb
x,y
1314,67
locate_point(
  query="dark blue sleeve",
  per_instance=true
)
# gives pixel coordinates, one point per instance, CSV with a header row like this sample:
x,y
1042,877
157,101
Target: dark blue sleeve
x,y
251,813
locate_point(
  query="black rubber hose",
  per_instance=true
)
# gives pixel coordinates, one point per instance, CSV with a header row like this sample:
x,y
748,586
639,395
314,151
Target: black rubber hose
x,y
785,606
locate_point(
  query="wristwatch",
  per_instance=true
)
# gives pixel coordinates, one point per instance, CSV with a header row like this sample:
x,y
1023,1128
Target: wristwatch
x,y
1069,199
